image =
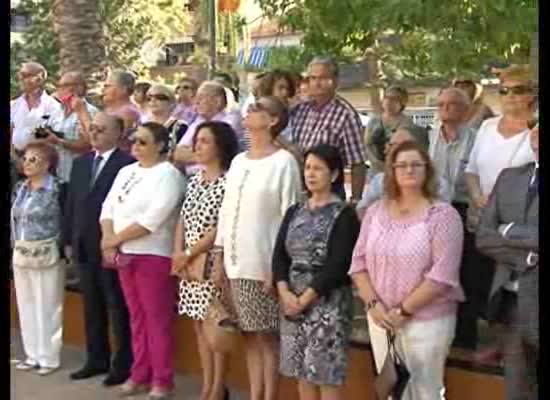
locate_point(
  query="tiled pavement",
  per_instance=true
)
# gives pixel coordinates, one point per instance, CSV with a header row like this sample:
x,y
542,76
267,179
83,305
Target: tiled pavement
x,y
58,386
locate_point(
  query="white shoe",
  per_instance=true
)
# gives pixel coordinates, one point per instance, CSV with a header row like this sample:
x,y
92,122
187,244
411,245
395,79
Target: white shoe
x,y
26,365
47,370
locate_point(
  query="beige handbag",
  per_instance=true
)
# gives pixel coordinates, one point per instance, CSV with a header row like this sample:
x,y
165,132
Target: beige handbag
x,y
36,254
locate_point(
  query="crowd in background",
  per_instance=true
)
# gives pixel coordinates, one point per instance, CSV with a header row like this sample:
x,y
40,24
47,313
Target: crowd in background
x,y
239,215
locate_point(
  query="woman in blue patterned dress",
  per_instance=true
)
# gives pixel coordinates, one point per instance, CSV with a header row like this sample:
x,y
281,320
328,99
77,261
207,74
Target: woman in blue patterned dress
x,y
37,269
312,254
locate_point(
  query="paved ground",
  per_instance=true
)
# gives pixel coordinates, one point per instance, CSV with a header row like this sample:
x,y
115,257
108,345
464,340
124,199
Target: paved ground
x,y
57,386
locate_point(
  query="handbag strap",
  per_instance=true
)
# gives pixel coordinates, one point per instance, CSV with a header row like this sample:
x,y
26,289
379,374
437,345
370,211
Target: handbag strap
x,y
391,348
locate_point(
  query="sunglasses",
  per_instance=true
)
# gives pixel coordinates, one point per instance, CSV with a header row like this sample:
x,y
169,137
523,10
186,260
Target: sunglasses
x,y
514,90
30,160
159,97
259,107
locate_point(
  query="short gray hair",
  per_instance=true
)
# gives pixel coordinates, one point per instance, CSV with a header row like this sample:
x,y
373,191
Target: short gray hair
x,y
37,67
327,62
461,94
213,88
124,79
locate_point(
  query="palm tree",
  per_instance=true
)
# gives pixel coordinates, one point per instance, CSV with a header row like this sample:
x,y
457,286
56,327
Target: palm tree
x,y
80,36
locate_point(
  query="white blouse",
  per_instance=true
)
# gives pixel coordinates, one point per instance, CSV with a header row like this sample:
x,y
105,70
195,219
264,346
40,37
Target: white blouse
x,y
257,195
150,197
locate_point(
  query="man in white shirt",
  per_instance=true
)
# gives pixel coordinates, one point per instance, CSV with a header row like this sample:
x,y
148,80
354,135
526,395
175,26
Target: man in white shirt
x,y
34,108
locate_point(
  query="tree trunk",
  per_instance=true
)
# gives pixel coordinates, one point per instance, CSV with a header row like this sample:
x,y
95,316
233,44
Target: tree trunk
x,y
80,37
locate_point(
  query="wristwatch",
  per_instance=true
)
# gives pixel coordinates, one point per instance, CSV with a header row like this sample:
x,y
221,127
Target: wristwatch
x,y
404,313
371,304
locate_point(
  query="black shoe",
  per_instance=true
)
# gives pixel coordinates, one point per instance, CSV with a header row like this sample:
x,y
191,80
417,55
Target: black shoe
x,y
115,379
88,372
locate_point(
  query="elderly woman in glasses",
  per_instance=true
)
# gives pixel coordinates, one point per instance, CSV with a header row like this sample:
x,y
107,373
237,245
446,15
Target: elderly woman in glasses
x,y
185,94
138,219
38,272
406,267
161,105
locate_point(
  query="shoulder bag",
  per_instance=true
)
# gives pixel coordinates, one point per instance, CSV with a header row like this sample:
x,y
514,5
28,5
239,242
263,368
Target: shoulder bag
x,y
394,375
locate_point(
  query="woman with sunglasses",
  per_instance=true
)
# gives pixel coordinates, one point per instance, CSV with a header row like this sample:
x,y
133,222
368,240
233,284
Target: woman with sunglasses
x,y
38,273
406,268
137,222
214,145
162,102
310,264
501,142
262,184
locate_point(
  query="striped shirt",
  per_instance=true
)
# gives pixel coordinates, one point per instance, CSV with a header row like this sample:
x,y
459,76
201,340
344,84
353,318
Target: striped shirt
x,y
336,123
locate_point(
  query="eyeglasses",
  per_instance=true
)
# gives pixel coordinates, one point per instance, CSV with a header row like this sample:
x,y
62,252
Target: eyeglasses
x,y
98,129
515,90
25,75
31,160
159,97
405,166
137,140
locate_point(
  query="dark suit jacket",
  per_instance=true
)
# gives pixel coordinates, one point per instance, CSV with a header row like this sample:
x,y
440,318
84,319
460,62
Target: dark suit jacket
x,y
82,230
508,203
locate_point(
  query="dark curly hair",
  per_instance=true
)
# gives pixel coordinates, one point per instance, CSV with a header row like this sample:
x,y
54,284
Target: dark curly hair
x,y
225,139
160,135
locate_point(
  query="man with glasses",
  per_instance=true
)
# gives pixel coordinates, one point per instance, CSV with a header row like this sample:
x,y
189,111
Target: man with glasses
x,y
33,109
92,176
73,139
509,233
501,142
328,118
185,95
450,146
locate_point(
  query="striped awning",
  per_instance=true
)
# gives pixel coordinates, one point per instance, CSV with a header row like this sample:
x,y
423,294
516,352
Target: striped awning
x,y
240,57
258,56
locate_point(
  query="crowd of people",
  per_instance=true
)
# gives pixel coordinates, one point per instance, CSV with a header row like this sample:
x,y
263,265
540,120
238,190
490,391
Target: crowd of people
x,y
181,199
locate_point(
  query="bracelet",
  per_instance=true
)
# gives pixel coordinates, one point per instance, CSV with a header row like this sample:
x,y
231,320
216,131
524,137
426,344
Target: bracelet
x,y
371,304
216,250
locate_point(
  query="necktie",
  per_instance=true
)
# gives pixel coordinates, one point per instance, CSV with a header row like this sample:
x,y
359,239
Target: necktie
x,y
95,169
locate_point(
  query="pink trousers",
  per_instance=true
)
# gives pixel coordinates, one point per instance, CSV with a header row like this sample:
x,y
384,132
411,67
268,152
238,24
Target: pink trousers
x,y
150,294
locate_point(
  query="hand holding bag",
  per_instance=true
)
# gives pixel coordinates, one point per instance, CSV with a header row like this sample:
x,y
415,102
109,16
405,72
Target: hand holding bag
x,y
394,375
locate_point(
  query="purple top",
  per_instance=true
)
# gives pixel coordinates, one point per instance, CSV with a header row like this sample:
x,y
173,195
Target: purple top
x,y
400,254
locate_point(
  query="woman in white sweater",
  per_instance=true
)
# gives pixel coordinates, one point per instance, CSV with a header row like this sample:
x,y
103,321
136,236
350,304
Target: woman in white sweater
x,y
261,184
137,222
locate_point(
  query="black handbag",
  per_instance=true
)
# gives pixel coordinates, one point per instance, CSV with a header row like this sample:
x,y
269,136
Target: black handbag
x,y
394,375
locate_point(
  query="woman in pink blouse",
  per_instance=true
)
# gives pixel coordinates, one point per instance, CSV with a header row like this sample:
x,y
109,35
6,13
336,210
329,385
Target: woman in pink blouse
x,y
406,267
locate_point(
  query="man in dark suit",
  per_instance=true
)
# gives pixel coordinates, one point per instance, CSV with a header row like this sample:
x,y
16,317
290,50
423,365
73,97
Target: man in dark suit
x,y
508,232
91,179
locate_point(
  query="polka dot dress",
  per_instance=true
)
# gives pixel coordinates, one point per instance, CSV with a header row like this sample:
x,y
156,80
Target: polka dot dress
x,y
199,213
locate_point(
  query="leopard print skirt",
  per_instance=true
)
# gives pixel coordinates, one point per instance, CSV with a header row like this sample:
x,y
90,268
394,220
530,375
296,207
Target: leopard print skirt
x,y
256,310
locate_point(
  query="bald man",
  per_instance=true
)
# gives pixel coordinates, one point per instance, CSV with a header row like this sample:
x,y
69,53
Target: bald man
x,y
91,179
34,108
374,190
77,118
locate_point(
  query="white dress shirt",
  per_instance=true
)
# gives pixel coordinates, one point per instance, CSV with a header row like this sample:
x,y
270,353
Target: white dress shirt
x,y
25,120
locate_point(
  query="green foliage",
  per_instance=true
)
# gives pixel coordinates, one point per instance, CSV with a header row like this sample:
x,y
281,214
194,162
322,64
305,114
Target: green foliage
x,y
127,25
434,39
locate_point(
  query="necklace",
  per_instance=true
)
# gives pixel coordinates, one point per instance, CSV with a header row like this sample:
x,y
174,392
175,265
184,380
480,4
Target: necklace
x,y
128,186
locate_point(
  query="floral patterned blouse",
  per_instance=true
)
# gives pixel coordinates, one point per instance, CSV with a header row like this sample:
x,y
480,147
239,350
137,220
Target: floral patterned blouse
x,y
36,215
